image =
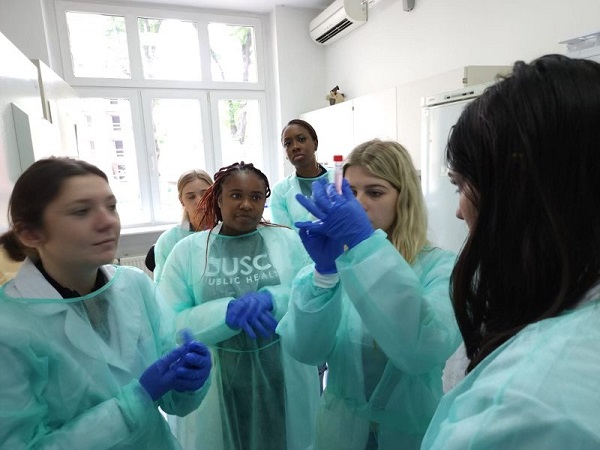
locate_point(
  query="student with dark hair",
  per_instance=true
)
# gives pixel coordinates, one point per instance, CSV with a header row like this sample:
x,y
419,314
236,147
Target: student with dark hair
x,y
86,355
191,186
378,313
230,285
526,286
300,142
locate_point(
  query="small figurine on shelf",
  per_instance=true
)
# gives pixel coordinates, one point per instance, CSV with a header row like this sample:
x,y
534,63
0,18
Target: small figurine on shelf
x,y
334,96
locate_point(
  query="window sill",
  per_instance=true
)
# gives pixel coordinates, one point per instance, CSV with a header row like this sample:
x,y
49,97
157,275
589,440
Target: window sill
x,y
136,241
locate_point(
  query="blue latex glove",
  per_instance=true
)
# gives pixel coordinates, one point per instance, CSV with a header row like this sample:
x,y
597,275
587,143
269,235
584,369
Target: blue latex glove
x,y
341,216
251,313
192,369
181,369
265,317
321,248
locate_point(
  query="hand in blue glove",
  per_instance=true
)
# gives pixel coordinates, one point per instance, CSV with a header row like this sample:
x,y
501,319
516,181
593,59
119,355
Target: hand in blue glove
x,y
192,369
323,249
251,313
342,217
181,369
265,318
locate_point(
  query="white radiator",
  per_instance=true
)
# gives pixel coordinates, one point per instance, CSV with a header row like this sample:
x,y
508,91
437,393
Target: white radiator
x,y
135,261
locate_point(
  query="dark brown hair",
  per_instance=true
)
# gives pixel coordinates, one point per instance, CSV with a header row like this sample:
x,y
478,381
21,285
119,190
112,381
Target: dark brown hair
x,y
527,149
37,187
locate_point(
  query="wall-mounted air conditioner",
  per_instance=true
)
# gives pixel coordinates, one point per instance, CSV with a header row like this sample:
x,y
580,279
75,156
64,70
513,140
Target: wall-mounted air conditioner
x,y
338,19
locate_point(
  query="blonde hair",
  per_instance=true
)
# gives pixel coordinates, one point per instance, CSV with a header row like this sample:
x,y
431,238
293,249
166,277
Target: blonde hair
x,y
188,177
391,162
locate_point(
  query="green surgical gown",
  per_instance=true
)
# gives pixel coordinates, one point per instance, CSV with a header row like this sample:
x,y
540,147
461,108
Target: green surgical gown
x,y
260,398
70,367
285,209
385,331
539,390
165,243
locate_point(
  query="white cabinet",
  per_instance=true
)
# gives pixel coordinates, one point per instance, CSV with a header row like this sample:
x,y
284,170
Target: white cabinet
x,y
19,88
393,113
335,129
342,127
375,116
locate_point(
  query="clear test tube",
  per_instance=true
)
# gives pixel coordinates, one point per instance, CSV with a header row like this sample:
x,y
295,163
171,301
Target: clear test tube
x,y
338,172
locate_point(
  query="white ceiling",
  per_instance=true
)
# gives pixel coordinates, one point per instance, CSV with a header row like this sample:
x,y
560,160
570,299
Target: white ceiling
x,y
257,6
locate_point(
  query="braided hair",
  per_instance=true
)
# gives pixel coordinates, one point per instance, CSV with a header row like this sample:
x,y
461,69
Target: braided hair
x,y
209,205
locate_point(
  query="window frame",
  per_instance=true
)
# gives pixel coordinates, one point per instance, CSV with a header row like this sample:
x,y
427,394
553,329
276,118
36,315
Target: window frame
x,y
140,91
137,80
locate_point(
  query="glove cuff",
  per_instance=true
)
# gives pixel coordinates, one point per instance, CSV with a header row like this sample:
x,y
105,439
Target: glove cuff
x,y
328,270
355,240
325,281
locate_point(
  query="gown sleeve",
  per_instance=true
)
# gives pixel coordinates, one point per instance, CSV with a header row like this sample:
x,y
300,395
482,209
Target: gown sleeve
x,y
499,428
110,407
288,251
280,213
162,321
24,412
409,316
309,328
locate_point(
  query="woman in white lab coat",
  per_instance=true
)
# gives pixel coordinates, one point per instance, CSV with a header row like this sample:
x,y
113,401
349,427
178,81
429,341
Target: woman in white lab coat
x,y
82,341
526,287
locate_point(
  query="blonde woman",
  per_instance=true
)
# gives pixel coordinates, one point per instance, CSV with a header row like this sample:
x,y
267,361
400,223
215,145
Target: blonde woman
x,y
191,186
378,312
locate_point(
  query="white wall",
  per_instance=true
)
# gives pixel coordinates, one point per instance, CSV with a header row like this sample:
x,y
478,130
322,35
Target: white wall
x,y
396,47
299,65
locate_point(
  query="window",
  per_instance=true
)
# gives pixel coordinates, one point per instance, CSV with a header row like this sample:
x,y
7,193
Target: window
x,y
165,92
98,45
233,53
115,153
238,127
170,49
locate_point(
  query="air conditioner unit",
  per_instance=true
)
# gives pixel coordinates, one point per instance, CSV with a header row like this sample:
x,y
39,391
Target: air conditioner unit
x,y
338,19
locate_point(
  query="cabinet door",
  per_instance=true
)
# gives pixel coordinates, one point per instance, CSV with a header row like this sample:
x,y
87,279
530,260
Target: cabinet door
x,y
335,129
375,116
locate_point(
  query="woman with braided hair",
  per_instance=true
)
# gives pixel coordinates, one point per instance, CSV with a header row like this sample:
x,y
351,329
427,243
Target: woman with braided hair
x,y
230,285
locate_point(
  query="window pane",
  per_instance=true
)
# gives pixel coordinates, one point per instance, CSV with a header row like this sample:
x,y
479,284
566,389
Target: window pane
x,y
170,49
240,131
179,146
98,45
113,151
233,52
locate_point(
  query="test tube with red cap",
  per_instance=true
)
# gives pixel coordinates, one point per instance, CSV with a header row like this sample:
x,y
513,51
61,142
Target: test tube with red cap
x,y
338,172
